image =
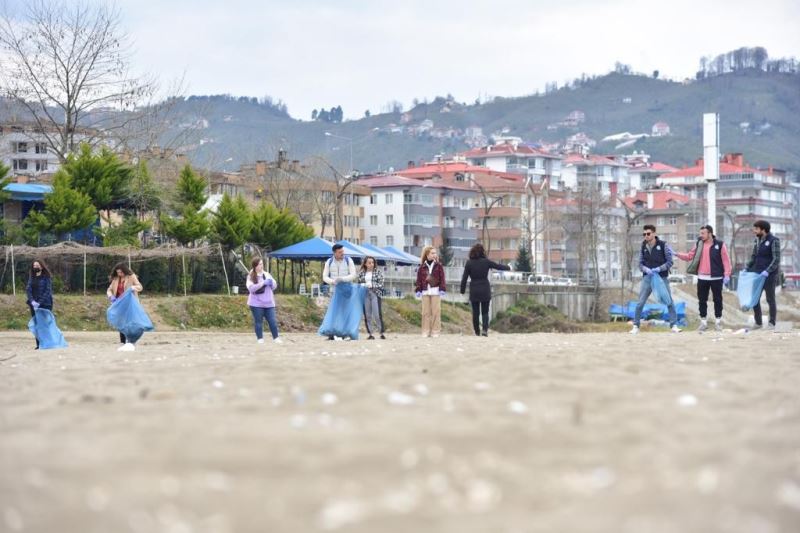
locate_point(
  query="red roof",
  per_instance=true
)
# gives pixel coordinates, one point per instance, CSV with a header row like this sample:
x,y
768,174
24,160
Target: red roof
x,y
661,199
591,159
401,181
698,170
506,149
482,176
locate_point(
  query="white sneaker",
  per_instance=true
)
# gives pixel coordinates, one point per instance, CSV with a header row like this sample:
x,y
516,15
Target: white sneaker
x,y
634,330
676,329
277,340
703,326
718,326
260,341
127,347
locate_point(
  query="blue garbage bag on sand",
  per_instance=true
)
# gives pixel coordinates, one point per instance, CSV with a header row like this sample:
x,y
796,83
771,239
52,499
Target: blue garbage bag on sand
x,y
343,317
660,290
127,316
44,328
749,289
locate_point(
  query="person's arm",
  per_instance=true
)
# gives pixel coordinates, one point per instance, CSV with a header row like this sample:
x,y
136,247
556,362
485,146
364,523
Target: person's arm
x,y
47,292
726,261
353,273
688,256
442,284
272,282
326,273
377,282
668,254
464,278
498,266
135,285
29,290
642,268
254,286
418,284
776,256
752,259
111,288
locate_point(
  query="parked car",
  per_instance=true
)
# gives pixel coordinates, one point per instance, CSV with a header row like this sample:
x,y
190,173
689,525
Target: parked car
x,y
541,279
565,282
677,278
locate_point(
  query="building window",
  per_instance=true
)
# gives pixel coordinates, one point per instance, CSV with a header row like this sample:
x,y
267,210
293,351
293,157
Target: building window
x,y
20,164
389,240
41,165
22,147
373,199
389,220
388,198
41,148
373,220
373,240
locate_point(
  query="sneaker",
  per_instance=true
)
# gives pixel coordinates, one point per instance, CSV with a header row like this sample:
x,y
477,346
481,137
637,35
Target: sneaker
x,y
757,326
127,347
436,336
675,329
770,326
330,337
370,338
703,326
383,336
485,334
277,340
260,341
718,326
634,330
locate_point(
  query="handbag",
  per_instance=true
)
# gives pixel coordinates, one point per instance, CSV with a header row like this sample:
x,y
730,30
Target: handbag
x,y
263,287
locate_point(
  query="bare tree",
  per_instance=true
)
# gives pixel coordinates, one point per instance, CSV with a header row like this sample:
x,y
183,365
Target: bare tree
x,y
632,217
67,64
329,186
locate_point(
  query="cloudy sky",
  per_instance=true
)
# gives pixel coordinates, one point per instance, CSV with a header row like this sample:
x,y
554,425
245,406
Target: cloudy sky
x,y
362,54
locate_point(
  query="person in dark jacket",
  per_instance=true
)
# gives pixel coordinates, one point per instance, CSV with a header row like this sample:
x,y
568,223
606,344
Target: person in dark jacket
x,y
39,289
476,270
430,287
655,259
766,260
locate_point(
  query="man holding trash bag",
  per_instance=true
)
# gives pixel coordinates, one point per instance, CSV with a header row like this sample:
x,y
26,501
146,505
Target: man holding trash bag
x,y
655,259
766,261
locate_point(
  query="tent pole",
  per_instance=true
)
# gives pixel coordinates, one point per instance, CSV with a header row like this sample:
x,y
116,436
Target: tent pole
x,y
224,269
13,273
183,261
84,273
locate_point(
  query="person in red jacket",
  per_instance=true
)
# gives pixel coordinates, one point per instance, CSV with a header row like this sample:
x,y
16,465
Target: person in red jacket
x,y
430,287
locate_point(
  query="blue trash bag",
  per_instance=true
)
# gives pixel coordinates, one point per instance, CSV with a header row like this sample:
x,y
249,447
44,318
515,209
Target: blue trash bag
x,y
749,289
127,316
660,290
343,317
44,328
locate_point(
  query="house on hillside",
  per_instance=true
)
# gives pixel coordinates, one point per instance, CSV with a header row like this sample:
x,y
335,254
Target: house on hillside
x,y
660,129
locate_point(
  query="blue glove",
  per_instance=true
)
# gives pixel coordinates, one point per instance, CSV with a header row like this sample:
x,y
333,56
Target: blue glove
x,y
34,304
418,294
112,299
647,270
726,280
442,293
765,274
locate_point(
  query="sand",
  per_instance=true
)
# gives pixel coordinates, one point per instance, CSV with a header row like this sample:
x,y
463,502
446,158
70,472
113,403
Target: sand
x,y
210,432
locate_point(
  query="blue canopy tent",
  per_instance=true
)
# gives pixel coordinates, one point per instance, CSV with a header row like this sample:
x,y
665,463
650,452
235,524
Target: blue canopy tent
x,y
314,249
390,257
377,253
413,260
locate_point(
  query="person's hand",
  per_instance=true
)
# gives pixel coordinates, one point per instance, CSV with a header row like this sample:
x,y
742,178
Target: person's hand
x,y
34,304
510,267
765,274
112,299
442,293
726,280
647,271
418,294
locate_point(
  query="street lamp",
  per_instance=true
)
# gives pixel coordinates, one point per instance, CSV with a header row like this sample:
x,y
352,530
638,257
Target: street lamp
x,y
350,140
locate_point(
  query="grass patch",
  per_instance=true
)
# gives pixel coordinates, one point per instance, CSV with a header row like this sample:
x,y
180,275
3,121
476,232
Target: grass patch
x,y
530,316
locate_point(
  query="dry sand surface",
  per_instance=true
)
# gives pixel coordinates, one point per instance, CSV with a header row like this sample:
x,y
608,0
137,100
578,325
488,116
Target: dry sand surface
x,y
212,433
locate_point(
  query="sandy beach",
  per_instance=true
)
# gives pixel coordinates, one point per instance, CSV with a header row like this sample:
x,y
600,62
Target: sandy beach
x,y
212,433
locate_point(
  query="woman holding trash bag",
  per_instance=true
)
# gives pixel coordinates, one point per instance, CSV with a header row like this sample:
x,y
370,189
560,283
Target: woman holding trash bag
x,y
122,278
430,287
476,270
39,289
372,278
261,300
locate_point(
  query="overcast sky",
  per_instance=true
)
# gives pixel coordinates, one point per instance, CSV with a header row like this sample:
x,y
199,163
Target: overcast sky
x,y
362,54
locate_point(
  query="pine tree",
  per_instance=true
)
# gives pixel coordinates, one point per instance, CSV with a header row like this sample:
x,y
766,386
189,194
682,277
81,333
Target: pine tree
x,y
273,228
143,194
65,209
191,190
190,227
101,176
232,223
523,262
445,252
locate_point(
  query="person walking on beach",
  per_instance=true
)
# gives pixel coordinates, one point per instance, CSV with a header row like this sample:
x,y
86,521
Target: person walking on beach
x,y
372,279
261,300
338,269
39,289
122,279
655,259
430,287
476,270
709,260
766,261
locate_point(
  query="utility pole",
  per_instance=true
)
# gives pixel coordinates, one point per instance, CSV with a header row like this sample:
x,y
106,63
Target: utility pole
x,y
711,162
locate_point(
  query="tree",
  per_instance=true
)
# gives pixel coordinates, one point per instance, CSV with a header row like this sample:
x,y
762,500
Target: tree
x,y
102,176
143,194
314,115
191,189
232,223
63,61
126,233
366,114
445,252
192,223
275,228
523,262
5,179
65,209
655,74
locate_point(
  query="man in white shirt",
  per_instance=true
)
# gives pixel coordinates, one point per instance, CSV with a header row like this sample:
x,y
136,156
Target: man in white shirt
x,y
338,269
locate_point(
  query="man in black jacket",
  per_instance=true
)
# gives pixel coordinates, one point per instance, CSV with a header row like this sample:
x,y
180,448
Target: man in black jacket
x,y
766,260
655,259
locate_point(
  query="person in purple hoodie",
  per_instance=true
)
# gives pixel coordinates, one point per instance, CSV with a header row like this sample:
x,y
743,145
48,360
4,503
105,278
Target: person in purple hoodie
x,y
261,300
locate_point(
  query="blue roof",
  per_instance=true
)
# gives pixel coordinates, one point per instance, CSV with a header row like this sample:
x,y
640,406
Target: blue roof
x,y
28,192
315,248
378,253
413,260
363,251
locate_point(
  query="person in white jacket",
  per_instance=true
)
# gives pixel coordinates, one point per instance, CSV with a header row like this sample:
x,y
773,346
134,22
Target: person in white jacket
x,y
338,269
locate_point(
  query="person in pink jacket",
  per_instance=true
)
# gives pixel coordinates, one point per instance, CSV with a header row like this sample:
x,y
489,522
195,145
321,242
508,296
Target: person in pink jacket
x,y
261,300
710,262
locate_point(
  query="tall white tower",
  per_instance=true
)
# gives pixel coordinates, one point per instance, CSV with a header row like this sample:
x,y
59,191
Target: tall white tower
x,y
711,162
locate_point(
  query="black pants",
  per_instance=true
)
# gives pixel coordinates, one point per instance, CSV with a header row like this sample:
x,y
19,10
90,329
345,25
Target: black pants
x,y
483,309
703,285
50,308
122,338
769,289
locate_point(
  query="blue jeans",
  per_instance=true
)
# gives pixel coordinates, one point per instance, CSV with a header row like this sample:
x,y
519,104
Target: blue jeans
x,y
644,293
261,313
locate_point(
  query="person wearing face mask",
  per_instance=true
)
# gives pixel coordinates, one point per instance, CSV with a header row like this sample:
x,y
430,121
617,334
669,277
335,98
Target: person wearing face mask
x,y
430,287
655,259
709,260
766,261
39,289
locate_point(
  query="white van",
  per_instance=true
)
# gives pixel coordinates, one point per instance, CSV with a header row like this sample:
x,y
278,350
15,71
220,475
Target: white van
x,y
541,279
